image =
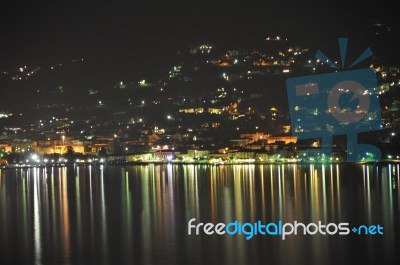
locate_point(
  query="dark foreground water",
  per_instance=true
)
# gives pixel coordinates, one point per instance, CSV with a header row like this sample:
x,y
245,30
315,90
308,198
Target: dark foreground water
x,y
140,214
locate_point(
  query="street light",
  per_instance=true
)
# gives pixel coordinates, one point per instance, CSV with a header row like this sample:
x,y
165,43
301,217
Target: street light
x,y
63,139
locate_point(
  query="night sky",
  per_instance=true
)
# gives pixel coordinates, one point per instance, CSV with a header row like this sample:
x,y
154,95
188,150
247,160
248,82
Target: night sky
x,y
146,36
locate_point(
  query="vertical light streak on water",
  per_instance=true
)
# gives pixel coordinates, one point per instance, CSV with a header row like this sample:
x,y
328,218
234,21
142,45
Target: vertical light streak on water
x,y
387,206
241,214
191,192
317,192
45,204
305,188
103,220
295,191
316,203
65,214
324,206
290,193
231,206
390,197
158,192
91,211
272,189
393,186
186,192
170,228
78,204
194,190
196,193
53,209
126,217
310,191
59,207
3,205
339,201
251,190
227,194
390,187
365,187
282,167
263,197
332,197
364,182
368,192
25,212
37,241
128,201
294,211
146,176
238,193
317,242
398,189
280,214
280,203
213,195
228,206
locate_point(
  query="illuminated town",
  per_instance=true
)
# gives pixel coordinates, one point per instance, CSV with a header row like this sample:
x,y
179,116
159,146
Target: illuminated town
x,y
212,106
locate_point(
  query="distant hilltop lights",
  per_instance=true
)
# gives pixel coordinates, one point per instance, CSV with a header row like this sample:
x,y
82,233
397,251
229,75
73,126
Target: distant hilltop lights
x,y
26,72
204,48
275,38
5,115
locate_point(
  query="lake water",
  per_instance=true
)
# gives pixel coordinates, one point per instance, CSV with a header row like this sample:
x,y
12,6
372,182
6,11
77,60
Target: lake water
x,y
140,214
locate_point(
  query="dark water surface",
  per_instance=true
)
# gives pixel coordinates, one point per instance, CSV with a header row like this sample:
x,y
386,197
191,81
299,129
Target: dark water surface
x,y
140,214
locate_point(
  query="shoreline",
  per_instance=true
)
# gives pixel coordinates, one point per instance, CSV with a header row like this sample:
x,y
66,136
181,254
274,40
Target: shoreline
x,y
144,163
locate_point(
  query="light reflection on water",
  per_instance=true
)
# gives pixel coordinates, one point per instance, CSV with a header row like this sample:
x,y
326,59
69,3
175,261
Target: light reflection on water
x,y
139,214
